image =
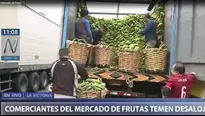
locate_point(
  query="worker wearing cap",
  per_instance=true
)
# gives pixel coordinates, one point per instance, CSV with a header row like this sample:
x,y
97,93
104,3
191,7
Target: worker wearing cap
x,y
64,74
82,27
150,31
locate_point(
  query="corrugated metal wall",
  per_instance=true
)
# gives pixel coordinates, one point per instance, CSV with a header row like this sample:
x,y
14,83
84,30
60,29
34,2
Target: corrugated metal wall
x,y
68,22
191,32
185,35
73,8
169,6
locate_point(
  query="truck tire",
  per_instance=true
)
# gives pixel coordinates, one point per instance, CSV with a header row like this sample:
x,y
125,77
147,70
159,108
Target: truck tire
x,y
43,80
34,82
20,83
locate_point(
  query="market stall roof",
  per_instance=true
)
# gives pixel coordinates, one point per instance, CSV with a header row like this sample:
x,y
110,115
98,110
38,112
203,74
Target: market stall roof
x,y
150,2
126,1
117,9
110,10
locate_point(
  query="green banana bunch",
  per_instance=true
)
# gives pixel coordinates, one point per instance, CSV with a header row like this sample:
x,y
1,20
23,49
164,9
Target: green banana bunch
x,y
91,85
159,15
122,33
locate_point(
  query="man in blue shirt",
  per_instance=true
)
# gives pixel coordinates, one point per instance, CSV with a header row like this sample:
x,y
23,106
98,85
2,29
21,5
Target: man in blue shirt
x,y
150,31
82,27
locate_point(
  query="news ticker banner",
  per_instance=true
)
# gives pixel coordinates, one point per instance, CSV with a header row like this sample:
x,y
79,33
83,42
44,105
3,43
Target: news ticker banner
x,y
105,108
36,104
26,96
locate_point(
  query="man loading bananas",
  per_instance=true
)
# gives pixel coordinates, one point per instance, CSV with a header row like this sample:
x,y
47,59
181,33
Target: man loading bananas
x,y
64,74
150,31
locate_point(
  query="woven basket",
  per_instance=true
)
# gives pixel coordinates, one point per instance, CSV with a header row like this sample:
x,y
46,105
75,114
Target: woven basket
x,y
130,60
79,50
156,58
103,55
89,95
92,95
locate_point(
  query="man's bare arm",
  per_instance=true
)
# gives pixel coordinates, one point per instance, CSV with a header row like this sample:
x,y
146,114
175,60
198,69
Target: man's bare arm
x,y
165,92
82,71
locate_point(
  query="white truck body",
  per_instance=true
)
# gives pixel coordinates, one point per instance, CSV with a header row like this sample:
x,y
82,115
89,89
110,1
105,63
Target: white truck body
x,y
39,42
39,37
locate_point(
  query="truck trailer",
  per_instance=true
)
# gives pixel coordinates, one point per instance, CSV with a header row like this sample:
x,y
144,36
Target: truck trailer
x,y
38,44
183,36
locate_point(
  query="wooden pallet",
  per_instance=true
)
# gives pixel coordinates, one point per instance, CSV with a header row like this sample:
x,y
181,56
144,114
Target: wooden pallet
x,y
136,77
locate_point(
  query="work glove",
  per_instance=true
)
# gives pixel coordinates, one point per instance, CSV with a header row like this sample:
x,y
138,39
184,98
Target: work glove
x,y
194,73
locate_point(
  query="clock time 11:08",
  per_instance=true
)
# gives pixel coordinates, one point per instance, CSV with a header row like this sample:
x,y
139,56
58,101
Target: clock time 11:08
x,y
10,31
